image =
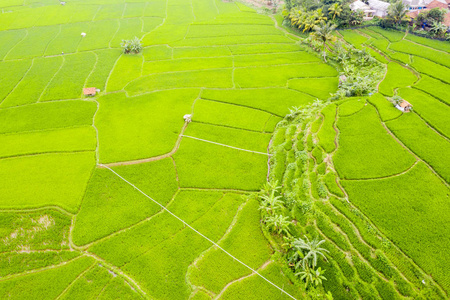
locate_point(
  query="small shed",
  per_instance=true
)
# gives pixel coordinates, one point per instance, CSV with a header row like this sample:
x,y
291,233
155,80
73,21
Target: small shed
x,y
90,91
404,106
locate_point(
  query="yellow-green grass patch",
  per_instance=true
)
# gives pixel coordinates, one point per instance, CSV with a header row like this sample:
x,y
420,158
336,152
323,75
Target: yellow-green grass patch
x,y
243,139
139,127
159,52
43,116
366,150
111,204
384,107
430,68
213,112
126,69
51,282
434,112
205,165
424,141
186,64
98,35
34,82
277,76
60,140
11,72
397,76
45,179
274,59
192,52
392,207
216,78
317,87
69,81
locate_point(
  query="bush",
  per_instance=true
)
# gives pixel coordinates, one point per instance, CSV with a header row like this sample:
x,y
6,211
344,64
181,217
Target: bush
x,y
131,46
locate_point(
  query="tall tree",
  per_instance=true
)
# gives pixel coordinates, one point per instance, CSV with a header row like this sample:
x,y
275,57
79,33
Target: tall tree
x,y
397,12
335,10
313,249
324,33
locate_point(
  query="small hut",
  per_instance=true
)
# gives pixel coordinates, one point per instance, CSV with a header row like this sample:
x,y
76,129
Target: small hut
x,y
404,106
90,91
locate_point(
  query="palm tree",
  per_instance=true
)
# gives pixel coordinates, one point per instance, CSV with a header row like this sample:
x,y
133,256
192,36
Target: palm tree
x,y
311,276
324,34
279,224
313,250
270,203
335,10
397,12
438,29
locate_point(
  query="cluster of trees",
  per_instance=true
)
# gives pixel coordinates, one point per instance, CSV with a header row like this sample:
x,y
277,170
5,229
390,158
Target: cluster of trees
x,y
305,14
434,18
131,46
301,254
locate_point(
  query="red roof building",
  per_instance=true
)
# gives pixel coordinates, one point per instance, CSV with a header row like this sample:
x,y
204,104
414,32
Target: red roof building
x,y
89,91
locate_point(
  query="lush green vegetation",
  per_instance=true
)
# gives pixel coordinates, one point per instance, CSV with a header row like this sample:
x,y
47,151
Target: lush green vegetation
x,y
209,103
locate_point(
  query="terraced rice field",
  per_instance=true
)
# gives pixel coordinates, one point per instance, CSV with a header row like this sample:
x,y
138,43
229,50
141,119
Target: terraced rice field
x,y
116,196
378,178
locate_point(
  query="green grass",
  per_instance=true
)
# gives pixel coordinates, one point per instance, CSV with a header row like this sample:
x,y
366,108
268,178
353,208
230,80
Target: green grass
x,y
105,62
225,114
229,40
126,69
39,230
204,165
215,268
277,76
221,78
46,179
34,82
423,141
192,52
422,51
434,112
120,121
44,116
366,150
263,99
434,87
67,39
430,68
125,206
98,35
354,38
8,79
127,245
273,59
202,31
176,254
34,44
391,35
69,81
15,263
128,28
263,48
351,107
229,136
384,107
392,209
317,87
429,42
118,288
35,285
9,39
89,285
60,140
186,64
327,132
396,77
158,53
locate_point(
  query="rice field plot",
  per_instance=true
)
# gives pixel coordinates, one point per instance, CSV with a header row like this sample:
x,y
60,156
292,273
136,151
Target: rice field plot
x,y
366,150
397,76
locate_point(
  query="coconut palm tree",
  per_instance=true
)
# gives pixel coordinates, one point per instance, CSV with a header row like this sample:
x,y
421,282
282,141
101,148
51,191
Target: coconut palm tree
x,y
271,203
397,12
335,10
324,34
312,248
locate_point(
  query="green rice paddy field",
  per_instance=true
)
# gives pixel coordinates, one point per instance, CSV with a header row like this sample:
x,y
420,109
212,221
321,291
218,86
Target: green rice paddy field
x,y
85,181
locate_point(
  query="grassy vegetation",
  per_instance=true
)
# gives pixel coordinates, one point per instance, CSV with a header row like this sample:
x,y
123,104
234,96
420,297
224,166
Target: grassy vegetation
x,y
391,208
366,150
239,76
397,76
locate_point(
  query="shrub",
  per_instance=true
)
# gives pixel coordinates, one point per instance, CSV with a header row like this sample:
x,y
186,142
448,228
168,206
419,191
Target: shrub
x,y
131,46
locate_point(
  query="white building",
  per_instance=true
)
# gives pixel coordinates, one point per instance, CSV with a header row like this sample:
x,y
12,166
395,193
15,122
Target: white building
x,y
380,7
359,5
